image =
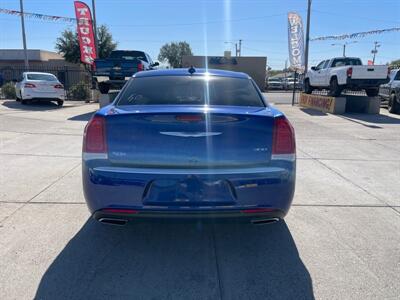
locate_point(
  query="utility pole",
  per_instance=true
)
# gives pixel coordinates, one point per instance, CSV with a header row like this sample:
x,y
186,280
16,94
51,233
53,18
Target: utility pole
x,y
236,49
23,35
307,36
375,51
344,45
240,47
96,42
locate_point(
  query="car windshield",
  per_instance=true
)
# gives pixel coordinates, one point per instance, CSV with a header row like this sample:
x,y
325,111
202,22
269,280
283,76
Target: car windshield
x,y
128,55
42,77
190,90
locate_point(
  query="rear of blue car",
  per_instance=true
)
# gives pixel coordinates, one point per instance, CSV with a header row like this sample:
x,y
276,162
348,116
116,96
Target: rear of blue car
x,y
186,146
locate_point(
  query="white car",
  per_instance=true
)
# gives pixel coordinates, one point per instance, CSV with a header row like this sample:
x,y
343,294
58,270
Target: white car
x,y
341,73
39,86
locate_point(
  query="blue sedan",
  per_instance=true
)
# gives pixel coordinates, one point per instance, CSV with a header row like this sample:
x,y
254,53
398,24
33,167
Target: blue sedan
x,y
189,144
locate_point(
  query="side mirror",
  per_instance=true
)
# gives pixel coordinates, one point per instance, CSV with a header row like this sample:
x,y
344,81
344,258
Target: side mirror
x,y
155,64
314,68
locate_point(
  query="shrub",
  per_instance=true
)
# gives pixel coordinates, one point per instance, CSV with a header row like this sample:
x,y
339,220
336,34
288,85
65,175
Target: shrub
x,y
79,91
8,90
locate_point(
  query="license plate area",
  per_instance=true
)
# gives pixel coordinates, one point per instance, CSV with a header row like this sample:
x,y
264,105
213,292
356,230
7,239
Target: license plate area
x,y
190,191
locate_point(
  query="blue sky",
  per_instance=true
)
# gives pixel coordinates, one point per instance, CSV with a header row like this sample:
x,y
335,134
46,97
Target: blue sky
x,y
207,25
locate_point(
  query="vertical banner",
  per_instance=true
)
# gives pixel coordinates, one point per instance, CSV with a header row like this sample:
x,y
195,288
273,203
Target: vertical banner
x,y
85,33
296,42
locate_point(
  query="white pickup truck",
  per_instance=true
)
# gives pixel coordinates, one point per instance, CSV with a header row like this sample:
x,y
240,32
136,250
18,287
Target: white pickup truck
x,y
348,73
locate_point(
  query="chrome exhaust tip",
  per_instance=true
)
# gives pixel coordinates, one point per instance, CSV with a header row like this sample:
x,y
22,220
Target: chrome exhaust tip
x,y
113,221
264,221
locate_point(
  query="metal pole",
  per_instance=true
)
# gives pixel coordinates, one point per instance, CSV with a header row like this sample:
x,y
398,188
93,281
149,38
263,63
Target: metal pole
x,y
294,86
307,36
236,49
344,50
240,47
24,35
96,42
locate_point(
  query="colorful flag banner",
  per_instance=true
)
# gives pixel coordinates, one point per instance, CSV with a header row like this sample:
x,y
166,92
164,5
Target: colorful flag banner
x,y
355,35
37,16
85,32
296,42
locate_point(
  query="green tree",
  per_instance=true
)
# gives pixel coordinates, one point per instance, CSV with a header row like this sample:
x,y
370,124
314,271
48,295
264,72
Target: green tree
x,y
174,52
395,63
68,44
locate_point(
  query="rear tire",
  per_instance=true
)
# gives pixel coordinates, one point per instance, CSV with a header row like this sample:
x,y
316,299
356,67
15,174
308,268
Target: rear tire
x,y
308,89
60,103
104,88
334,88
372,92
393,105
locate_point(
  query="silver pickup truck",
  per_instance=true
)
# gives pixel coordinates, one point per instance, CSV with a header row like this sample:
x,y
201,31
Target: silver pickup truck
x,y
340,73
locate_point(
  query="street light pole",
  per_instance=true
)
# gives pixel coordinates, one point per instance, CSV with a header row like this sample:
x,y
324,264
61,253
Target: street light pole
x,y
96,42
240,47
26,61
375,51
307,36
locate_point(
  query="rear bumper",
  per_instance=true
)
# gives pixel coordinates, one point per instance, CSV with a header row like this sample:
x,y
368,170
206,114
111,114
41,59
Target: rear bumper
x,y
271,188
190,216
365,83
43,96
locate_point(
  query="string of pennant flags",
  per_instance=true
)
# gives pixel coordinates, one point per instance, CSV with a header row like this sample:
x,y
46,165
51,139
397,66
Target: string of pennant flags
x,y
354,35
321,38
37,16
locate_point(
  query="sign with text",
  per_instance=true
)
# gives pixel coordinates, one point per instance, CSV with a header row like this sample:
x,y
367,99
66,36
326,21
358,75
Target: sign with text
x,y
296,42
85,33
319,102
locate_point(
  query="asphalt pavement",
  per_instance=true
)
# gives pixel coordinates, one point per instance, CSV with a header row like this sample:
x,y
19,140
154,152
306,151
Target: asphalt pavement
x,y
340,240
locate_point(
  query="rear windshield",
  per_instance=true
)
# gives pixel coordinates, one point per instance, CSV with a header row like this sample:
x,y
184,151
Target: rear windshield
x,y
129,55
190,90
339,62
44,77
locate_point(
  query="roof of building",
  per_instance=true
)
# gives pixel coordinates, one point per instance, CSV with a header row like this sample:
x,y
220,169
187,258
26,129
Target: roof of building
x,y
198,72
33,55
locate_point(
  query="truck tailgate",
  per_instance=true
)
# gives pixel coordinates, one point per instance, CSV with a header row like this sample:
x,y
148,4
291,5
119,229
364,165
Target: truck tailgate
x,y
369,72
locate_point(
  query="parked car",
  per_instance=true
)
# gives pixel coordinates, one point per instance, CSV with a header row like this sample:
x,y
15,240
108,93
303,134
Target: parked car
x,y
391,91
114,71
275,84
38,86
341,73
289,83
203,144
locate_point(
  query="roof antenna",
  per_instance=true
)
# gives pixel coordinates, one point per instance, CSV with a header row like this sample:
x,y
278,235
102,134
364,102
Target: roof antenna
x,y
191,70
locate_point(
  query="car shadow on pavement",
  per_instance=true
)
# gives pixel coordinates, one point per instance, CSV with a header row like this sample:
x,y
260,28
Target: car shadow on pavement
x,y
372,118
34,106
178,261
82,117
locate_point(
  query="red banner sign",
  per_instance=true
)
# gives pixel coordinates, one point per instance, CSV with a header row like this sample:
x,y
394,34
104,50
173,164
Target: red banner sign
x,y
85,33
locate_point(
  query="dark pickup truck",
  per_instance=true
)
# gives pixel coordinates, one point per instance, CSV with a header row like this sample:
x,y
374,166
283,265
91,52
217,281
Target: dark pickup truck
x,y
114,71
390,91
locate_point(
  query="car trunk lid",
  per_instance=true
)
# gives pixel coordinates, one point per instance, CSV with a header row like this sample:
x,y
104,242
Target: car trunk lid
x,y
181,137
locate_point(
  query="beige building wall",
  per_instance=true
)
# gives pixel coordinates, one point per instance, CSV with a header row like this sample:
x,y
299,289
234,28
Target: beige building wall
x,y
253,66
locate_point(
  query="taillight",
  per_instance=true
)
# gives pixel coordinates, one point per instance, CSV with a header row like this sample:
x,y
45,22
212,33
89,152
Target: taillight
x,y
58,86
283,144
140,67
349,72
94,139
29,85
